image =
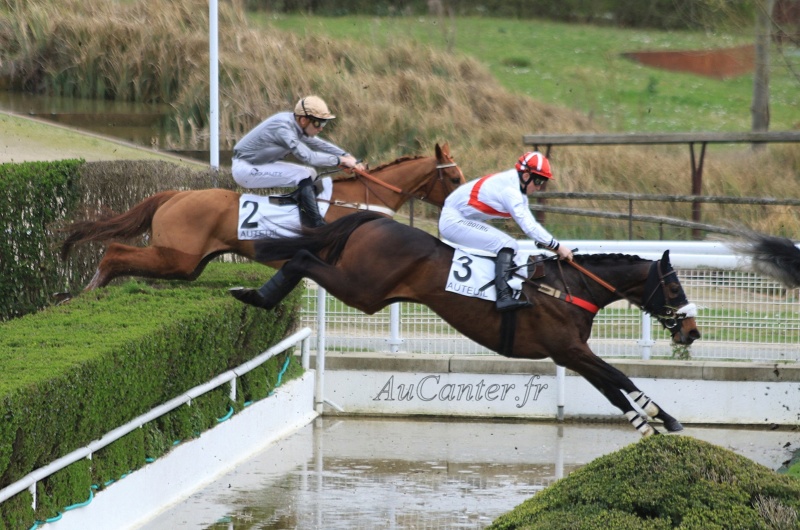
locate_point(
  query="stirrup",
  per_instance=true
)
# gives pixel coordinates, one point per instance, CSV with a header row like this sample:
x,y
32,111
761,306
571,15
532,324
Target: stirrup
x,y
509,303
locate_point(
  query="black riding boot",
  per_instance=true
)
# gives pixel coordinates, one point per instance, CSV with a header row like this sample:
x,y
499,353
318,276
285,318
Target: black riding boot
x,y
505,299
268,295
307,203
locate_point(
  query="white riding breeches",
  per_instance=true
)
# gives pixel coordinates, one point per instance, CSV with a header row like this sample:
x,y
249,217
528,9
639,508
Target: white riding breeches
x,y
273,175
473,234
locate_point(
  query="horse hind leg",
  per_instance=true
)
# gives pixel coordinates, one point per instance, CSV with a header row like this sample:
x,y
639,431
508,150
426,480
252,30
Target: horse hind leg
x,y
148,262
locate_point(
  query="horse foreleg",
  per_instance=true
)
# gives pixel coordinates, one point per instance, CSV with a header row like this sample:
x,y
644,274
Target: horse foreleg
x,y
642,400
148,262
611,382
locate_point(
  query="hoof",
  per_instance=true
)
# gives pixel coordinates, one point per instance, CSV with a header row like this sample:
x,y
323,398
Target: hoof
x,y
61,298
673,426
250,296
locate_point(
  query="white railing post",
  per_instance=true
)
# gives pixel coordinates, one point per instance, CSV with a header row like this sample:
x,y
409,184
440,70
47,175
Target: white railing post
x,y
561,392
646,341
32,489
319,375
305,353
394,328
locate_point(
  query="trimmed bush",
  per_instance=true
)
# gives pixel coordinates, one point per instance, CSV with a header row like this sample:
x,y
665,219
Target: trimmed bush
x,y
663,482
73,372
33,195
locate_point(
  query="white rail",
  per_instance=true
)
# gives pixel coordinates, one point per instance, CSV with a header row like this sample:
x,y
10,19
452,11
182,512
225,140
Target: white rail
x,y
743,315
30,480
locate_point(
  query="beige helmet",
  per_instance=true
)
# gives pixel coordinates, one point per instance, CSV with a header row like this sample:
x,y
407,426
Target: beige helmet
x,y
313,106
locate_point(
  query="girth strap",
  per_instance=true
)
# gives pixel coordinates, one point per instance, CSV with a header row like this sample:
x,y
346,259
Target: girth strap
x,y
508,330
570,299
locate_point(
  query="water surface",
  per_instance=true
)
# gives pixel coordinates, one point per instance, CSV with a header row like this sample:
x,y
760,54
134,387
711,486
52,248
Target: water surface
x,y
356,473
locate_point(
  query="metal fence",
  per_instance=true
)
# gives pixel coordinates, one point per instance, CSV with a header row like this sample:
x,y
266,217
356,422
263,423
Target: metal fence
x,y
743,316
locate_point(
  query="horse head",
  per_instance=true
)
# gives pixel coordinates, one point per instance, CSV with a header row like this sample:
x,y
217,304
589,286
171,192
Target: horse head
x,y
665,299
445,178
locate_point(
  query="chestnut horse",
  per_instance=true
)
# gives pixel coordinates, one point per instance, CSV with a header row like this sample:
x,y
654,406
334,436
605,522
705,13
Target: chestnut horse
x,y
189,228
369,262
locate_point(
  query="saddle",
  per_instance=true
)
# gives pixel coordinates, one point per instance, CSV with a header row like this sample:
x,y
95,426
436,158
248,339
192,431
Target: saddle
x,y
535,267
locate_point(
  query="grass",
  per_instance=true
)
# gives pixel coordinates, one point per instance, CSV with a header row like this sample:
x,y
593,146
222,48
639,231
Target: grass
x,y
581,67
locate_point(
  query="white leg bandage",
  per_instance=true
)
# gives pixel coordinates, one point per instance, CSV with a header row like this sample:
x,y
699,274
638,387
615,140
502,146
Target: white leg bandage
x,y
645,403
640,424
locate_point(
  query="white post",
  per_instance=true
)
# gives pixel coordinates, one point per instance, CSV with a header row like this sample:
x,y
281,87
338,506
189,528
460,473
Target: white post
x,y
394,328
646,342
305,353
32,489
319,377
213,83
561,381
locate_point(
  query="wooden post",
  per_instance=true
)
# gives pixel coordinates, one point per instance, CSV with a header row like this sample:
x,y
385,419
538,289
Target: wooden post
x,y
697,186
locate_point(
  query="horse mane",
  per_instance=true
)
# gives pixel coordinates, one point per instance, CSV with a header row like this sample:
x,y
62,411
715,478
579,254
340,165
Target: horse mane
x,y
330,238
598,259
383,166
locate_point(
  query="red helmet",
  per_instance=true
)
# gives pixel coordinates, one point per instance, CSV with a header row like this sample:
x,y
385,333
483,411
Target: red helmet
x,y
536,163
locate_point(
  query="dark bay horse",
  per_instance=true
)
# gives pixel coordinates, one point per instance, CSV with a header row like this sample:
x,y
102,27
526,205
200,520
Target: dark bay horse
x,y
777,257
189,228
369,262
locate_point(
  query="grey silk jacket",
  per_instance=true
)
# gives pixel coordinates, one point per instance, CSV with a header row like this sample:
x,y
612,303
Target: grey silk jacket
x,y
279,135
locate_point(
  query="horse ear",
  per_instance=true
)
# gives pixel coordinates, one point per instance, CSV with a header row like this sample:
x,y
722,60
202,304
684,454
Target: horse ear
x,y
665,258
438,151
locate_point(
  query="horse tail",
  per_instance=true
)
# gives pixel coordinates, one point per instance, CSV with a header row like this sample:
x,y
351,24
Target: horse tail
x,y
330,238
132,223
772,256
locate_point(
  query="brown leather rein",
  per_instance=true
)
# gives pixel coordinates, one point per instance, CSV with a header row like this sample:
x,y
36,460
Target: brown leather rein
x,y
363,174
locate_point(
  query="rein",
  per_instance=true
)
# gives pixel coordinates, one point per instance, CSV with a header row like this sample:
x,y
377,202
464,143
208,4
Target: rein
x,y
666,315
607,285
384,209
362,173
597,279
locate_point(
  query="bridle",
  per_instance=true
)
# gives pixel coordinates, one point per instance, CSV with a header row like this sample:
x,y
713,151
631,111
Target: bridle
x,y
669,311
439,179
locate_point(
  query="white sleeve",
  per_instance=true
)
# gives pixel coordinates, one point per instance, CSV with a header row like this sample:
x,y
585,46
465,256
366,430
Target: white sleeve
x,y
524,218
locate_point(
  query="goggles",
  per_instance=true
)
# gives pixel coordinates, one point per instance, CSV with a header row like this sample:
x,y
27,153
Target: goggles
x,y
317,122
538,180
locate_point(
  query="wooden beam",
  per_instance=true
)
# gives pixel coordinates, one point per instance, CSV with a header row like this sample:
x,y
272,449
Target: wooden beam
x,y
661,138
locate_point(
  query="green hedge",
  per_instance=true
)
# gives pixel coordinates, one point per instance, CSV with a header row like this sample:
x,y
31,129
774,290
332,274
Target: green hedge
x,y
73,372
32,196
38,199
